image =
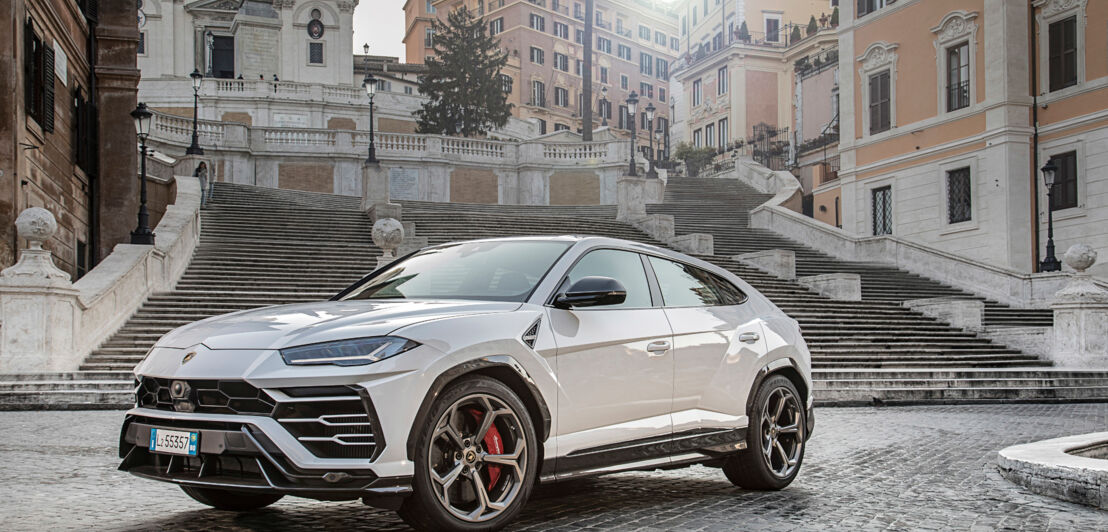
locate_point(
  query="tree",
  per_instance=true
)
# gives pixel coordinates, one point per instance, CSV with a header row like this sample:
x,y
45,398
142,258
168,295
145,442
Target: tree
x,y
812,26
463,84
795,35
695,158
744,32
835,18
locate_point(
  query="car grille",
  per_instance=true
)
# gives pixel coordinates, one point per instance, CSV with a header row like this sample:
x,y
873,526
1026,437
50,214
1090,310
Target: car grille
x,y
205,396
332,427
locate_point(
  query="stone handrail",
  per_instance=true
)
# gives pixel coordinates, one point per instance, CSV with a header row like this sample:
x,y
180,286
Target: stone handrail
x,y
180,129
778,214
299,137
473,147
579,151
78,317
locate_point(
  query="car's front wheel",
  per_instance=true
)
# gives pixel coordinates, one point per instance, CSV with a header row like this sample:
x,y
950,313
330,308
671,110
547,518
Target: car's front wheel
x,y
775,439
237,501
476,459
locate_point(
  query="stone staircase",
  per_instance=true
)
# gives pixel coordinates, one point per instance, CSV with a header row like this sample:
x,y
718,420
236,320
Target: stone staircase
x,y
262,246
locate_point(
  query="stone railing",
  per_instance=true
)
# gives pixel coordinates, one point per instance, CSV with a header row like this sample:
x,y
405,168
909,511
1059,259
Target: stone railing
x,y
575,151
393,142
298,137
781,216
180,129
473,147
51,324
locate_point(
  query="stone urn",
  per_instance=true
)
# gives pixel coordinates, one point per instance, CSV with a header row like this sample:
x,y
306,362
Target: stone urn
x,y
1081,316
36,265
388,234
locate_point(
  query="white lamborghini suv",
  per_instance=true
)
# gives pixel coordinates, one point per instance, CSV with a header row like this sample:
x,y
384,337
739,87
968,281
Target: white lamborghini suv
x,y
446,384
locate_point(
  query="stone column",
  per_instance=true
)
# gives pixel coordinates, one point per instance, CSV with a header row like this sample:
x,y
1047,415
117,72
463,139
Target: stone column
x,y
375,193
1081,316
38,304
630,198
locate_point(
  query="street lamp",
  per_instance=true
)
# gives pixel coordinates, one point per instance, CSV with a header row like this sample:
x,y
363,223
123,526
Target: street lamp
x,y
209,40
632,109
603,106
370,84
142,234
650,127
197,80
1050,263
658,133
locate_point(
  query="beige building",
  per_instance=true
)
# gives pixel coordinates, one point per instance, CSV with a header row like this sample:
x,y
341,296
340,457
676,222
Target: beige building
x,y
635,42
949,109
737,66
419,15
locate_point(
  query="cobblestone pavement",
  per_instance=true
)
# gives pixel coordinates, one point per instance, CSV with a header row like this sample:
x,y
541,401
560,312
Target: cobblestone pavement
x,y
927,468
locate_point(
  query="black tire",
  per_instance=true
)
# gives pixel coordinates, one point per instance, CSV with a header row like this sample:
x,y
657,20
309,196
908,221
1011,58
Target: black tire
x,y
236,501
424,509
751,468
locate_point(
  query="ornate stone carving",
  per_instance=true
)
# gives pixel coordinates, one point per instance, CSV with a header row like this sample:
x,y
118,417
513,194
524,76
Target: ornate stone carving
x,y
347,6
284,4
878,55
1080,257
388,234
1053,7
956,25
36,265
1081,289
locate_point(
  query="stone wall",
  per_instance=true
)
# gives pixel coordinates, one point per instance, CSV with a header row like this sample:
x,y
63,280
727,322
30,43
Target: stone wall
x,y
574,187
311,177
474,185
237,116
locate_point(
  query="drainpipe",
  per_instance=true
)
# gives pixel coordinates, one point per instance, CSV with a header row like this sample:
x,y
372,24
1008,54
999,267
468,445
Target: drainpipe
x,y
1034,143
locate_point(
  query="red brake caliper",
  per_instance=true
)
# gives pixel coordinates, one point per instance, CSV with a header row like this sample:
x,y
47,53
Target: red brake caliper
x,y
493,445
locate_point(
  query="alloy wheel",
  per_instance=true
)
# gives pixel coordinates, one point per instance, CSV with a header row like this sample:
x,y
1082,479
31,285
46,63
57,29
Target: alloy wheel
x,y
782,433
477,458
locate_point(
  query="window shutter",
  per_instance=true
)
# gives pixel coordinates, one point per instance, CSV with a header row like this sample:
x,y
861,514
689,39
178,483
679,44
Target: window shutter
x,y
92,10
28,66
47,88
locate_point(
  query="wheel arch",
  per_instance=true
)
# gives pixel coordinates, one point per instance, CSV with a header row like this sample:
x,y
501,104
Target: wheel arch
x,y
786,367
502,368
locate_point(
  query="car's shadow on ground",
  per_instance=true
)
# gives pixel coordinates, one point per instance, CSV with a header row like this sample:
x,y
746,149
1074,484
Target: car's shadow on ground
x,y
570,502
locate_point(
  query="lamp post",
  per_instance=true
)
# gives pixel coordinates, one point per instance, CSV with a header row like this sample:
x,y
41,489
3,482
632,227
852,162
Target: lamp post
x,y
1050,263
658,133
603,106
142,234
197,79
209,40
370,83
632,109
649,128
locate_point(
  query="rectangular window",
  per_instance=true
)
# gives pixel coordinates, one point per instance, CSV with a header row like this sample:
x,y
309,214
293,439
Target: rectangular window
x,y
561,30
697,138
957,77
430,7
577,13
625,52
663,69
773,29
882,211
408,89
315,53
646,64
644,32
694,17
644,124
603,45
674,44
506,83
561,97
538,22
561,62
684,25
958,196
662,94
1063,54
579,36
724,134
542,126
721,81
697,93
1064,192
880,103
538,94
578,67
141,44
429,38
710,135
623,117
660,38
705,7
496,26
560,127
537,56
623,81
866,7
38,71
646,90
603,74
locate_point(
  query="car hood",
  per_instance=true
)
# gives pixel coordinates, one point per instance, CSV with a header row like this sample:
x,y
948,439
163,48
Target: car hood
x,y
323,321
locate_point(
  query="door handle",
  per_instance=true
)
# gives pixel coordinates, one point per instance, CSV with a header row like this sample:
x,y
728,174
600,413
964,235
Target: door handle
x,y
749,337
658,348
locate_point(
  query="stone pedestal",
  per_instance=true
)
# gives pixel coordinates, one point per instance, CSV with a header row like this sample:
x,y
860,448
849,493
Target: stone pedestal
x,y
841,286
659,226
965,314
780,263
1081,316
631,198
694,243
375,193
38,304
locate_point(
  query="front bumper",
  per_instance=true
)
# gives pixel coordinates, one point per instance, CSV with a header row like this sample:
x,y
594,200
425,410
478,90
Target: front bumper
x,y
238,455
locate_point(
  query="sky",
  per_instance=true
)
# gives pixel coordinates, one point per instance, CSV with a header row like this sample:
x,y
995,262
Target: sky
x,y
381,24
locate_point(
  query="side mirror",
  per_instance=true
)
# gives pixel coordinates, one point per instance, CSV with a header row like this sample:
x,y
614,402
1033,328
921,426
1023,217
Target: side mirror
x,y
592,292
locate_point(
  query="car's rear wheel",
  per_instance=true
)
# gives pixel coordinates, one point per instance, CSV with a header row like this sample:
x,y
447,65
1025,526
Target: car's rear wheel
x,y
476,459
238,501
775,439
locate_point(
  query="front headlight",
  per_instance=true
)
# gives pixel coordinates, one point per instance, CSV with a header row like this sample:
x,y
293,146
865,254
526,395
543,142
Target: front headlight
x,y
353,352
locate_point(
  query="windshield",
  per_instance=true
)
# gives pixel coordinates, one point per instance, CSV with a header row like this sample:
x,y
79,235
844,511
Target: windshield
x,y
495,270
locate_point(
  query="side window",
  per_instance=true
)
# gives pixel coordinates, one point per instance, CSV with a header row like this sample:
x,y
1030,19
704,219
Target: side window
x,y
685,286
623,266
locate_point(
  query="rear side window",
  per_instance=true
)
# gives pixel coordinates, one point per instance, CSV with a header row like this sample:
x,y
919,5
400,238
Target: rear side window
x,y
685,286
623,266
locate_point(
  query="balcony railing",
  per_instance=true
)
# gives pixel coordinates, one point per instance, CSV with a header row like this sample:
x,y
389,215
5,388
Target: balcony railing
x,y
575,151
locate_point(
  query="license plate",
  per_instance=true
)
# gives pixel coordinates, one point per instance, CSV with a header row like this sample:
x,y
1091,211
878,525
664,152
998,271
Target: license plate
x,y
174,441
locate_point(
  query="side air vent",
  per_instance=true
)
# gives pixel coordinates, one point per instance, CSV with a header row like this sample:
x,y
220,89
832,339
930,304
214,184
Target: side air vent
x,y
532,334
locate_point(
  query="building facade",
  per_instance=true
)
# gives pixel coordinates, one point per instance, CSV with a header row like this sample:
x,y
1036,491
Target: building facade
x,y
67,141
949,110
419,17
